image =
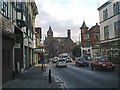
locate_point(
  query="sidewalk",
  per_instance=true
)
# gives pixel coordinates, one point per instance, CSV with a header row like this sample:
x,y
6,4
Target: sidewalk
x,y
32,78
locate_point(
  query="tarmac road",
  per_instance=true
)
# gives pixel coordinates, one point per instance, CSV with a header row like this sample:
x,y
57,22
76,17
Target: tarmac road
x,y
84,77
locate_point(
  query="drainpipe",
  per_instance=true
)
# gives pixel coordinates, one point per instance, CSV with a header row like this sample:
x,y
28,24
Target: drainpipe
x,y
13,62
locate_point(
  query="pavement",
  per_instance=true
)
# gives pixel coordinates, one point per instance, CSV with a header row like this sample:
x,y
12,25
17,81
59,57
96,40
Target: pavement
x,y
35,77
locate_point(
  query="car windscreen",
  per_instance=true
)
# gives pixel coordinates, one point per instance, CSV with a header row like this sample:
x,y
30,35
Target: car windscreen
x,y
102,60
68,57
64,56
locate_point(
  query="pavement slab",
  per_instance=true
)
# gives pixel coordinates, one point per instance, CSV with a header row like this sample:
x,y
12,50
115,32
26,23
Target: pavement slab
x,y
32,78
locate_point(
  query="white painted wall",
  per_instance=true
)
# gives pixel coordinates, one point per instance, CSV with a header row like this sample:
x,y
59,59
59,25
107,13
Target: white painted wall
x,y
109,22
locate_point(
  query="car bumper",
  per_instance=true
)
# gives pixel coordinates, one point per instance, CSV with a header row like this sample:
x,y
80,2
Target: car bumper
x,y
61,65
108,67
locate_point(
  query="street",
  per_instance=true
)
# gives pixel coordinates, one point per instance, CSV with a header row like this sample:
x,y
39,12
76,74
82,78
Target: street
x,y
84,77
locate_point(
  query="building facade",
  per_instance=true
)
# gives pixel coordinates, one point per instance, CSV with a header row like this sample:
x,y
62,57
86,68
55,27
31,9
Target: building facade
x,y
17,29
29,34
90,40
38,45
94,37
57,45
109,15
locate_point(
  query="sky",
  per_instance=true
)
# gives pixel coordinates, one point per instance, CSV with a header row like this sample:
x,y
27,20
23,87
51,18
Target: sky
x,y
62,15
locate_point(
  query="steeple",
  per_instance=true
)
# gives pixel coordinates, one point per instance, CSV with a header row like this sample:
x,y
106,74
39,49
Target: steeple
x,y
50,32
50,29
83,26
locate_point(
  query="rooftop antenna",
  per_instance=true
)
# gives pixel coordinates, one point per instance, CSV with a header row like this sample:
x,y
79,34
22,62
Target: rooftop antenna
x,y
98,3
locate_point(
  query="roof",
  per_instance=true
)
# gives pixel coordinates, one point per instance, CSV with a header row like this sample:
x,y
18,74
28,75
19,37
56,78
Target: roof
x,y
94,26
50,29
84,25
104,5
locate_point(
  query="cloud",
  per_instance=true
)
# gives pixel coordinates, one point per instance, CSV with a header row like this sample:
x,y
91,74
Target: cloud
x,y
66,14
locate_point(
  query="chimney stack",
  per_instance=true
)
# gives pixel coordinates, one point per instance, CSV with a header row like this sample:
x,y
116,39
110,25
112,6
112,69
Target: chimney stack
x,y
68,33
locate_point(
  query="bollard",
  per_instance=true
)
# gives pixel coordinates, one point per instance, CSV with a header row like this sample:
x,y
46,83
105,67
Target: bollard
x,y
50,78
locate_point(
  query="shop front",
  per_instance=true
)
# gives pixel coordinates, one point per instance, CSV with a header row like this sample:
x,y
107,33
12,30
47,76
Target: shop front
x,y
110,50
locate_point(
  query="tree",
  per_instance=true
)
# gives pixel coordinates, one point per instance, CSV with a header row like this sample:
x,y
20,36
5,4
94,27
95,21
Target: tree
x,y
76,50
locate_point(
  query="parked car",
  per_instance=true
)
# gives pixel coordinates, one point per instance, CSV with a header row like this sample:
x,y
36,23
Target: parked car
x,y
81,61
69,59
61,62
102,64
55,59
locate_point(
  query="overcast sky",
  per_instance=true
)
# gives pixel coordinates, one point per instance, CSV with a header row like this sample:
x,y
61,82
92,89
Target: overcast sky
x,y
66,14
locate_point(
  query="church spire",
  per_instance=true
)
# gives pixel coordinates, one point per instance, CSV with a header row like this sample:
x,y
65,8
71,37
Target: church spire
x,y
50,32
50,29
84,26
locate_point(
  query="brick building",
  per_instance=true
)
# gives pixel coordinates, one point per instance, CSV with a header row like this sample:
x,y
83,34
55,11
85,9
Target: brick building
x,y
90,40
57,45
